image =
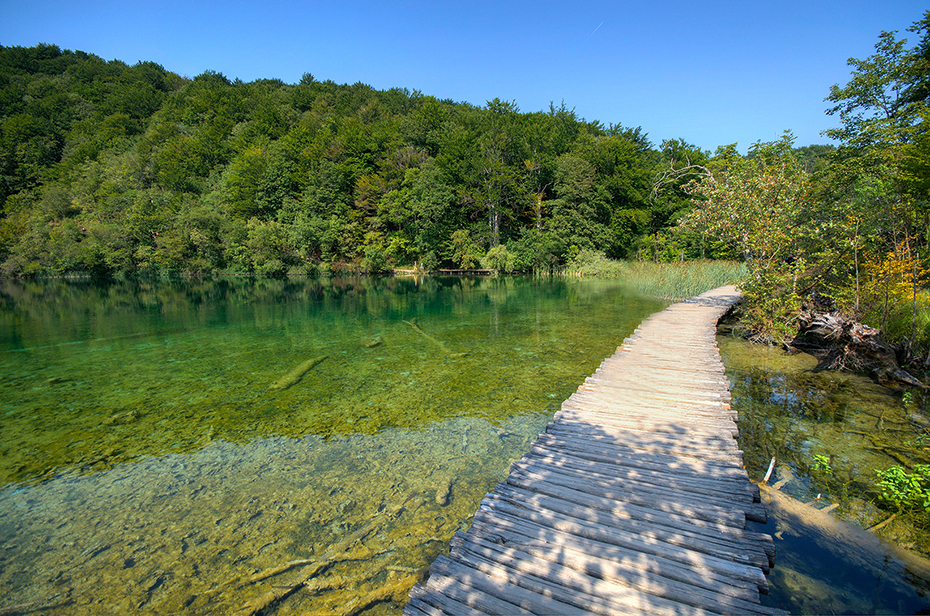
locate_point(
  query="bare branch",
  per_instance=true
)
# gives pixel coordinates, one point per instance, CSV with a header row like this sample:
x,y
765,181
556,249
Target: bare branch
x,y
672,175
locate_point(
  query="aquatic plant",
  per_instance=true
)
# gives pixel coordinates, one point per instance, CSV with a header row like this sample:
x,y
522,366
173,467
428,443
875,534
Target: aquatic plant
x,y
904,490
822,464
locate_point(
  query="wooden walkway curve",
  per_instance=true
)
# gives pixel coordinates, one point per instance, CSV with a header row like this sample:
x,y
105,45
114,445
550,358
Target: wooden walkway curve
x,y
634,500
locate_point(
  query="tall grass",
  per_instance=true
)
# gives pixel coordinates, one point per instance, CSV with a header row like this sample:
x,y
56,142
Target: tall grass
x,y
673,281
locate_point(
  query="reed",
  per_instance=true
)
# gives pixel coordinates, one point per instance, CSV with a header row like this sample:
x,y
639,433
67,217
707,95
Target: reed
x,y
672,281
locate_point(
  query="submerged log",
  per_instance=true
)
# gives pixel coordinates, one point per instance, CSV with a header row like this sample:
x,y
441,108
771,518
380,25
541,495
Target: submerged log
x,y
849,543
839,343
296,374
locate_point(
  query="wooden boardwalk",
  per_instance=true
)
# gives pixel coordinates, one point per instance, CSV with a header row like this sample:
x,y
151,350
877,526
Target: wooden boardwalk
x,y
634,500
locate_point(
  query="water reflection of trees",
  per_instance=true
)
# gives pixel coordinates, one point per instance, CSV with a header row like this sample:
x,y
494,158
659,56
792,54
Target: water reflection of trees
x,y
172,364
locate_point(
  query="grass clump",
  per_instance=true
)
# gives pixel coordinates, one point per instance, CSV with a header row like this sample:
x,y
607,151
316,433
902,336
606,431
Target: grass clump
x,y
672,281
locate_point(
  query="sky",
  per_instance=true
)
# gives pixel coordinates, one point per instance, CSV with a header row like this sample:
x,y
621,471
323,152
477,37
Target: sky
x,y
711,73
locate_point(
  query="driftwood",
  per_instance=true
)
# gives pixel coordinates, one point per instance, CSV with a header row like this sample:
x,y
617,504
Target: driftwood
x,y
839,343
439,343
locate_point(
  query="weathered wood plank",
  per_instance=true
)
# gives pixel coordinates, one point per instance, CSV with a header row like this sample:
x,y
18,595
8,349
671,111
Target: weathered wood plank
x,y
655,474
690,507
417,607
572,572
582,401
685,439
649,489
499,591
575,585
547,443
440,603
615,562
656,540
633,446
632,518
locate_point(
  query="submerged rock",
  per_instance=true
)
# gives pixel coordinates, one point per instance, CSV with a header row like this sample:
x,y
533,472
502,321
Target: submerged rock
x,y
444,492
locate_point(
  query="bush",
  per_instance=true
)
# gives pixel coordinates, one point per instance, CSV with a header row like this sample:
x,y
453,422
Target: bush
x,y
499,260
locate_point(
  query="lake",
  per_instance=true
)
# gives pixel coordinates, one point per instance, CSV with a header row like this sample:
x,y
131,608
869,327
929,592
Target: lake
x,y
187,446
193,446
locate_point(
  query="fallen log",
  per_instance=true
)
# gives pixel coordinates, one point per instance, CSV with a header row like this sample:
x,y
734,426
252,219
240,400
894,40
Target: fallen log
x,y
849,543
296,374
839,343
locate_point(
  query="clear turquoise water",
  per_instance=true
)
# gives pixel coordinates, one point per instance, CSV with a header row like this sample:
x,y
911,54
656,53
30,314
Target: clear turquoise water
x,y
147,466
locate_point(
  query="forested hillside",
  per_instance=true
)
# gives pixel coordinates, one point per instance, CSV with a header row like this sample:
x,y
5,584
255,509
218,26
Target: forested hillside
x,y
112,168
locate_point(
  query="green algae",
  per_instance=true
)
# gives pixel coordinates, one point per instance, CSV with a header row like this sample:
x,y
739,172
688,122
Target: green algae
x,y
146,468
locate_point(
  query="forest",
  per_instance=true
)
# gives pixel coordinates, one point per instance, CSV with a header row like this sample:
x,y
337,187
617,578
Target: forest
x,y
110,169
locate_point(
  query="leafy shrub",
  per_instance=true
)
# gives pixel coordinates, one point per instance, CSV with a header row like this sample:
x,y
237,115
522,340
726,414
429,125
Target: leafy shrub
x,y
904,490
499,259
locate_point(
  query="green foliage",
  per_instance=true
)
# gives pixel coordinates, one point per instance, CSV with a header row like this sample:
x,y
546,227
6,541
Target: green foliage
x,y
902,490
109,168
463,250
762,208
822,465
499,260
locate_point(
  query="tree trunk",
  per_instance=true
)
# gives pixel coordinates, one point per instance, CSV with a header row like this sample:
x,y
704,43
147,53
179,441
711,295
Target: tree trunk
x,y
841,344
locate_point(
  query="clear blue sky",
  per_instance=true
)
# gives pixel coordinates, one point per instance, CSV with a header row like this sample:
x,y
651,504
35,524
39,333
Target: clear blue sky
x,y
709,72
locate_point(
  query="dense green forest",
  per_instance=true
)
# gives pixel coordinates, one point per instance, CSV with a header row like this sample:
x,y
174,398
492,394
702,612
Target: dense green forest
x,y
114,168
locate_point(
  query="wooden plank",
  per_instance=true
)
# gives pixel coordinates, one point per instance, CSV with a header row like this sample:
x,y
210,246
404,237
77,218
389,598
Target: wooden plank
x,y
620,426
582,401
652,490
439,603
571,574
616,498
645,472
563,438
644,398
658,540
634,519
538,526
461,591
548,443
619,412
684,437
655,387
614,563
496,590
653,499
417,607
612,374
680,395
722,445
576,585
611,424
